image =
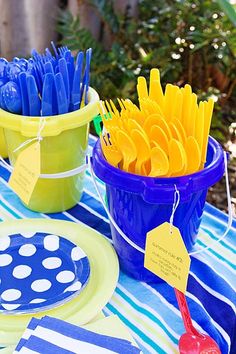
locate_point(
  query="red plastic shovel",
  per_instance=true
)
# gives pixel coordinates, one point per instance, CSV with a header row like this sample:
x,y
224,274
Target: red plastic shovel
x,y
193,342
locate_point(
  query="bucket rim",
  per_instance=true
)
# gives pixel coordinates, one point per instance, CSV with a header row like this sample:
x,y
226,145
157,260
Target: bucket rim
x,y
29,126
165,186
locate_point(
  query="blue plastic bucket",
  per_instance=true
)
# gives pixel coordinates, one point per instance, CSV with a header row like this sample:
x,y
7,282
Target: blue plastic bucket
x,y
138,204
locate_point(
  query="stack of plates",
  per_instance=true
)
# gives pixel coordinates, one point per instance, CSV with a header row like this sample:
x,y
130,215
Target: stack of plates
x,y
55,268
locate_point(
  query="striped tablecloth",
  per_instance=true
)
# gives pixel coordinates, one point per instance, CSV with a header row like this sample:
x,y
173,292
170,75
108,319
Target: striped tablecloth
x,y
150,311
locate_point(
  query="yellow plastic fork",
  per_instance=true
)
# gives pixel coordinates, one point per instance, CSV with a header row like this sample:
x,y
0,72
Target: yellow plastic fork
x,y
111,153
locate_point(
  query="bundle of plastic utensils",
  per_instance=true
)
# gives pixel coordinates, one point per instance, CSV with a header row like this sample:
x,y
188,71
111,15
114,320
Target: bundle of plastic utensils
x,y
45,84
51,335
167,135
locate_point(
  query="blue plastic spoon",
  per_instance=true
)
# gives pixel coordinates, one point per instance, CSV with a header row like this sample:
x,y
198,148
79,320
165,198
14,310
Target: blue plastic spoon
x,y
11,96
13,71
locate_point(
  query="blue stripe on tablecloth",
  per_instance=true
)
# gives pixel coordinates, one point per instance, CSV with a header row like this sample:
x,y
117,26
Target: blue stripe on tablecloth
x,y
31,326
214,269
35,342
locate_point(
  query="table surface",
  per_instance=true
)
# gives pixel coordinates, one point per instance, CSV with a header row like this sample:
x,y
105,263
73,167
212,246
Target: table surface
x,y
150,311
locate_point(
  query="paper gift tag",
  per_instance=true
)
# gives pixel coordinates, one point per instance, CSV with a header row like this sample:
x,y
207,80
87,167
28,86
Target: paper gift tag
x,y
166,255
26,172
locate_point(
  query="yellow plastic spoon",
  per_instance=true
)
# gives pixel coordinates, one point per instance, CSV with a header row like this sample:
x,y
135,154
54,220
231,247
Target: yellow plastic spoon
x,y
143,150
175,132
127,148
156,119
133,124
158,135
159,162
177,158
193,155
150,121
180,128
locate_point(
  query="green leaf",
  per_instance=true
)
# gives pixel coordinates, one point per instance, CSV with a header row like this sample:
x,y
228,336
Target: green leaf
x,y
228,9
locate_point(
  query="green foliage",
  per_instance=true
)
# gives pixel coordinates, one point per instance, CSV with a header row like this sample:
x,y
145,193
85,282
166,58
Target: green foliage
x,y
228,9
191,42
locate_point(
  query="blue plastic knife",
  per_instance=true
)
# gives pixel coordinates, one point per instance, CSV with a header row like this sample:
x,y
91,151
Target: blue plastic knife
x,y
75,93
24,94
62,102
65,75
47,95
34,100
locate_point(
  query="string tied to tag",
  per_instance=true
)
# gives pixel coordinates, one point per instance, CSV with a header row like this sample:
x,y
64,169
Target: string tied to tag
x,y
38,138
174,207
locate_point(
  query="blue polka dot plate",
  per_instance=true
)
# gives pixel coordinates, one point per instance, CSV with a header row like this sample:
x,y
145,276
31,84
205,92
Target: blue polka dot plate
x,y
39,271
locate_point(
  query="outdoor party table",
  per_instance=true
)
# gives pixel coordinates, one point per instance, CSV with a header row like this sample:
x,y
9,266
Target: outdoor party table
x,y
150,311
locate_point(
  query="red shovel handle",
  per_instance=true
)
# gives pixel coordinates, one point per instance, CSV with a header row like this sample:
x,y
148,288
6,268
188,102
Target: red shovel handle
x,y
183,306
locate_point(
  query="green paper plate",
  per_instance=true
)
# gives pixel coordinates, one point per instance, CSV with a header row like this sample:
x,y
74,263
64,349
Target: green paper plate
x,y
103,278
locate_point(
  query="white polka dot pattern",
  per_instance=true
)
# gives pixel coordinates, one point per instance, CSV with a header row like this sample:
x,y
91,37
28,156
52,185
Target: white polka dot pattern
x,y
11,295
66,276
51,242
10,307
52,263
41,285
28,234
74,287
39,271
4,243
77,253
27,250
5,259
37,301
21,271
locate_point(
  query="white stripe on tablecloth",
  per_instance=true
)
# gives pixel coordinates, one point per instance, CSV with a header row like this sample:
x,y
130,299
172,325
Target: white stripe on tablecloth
x,y
77,221
94,212
171,306
149,309
69,343
220,275
214,292
217,326
158,335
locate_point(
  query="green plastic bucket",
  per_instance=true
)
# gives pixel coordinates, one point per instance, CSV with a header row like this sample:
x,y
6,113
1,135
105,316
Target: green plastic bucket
x,y
3,147
63,148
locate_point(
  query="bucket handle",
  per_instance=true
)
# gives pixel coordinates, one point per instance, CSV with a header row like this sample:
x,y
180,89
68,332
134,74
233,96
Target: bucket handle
x,y
141,250
64,174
